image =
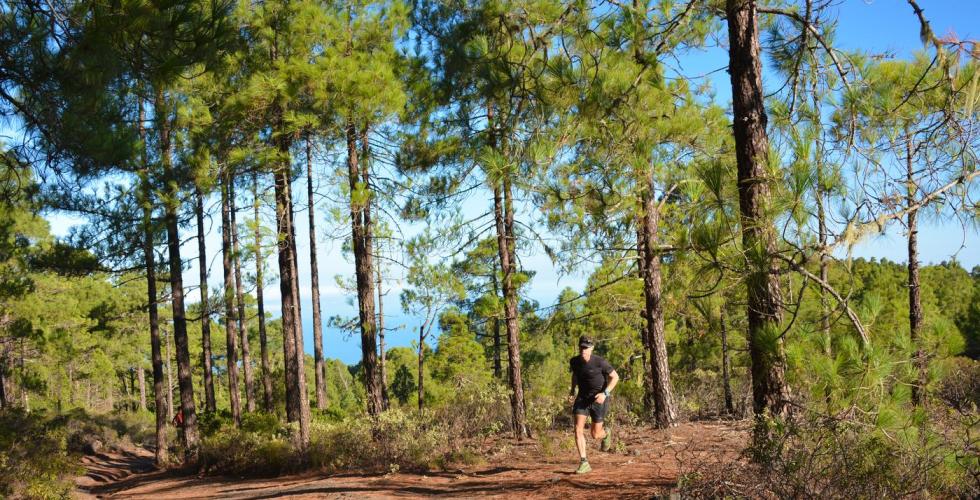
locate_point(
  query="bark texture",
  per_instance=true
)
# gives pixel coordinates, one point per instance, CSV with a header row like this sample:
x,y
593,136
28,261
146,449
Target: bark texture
x,y
382,349
665,411
231,329
504,219
360,213
240,300
149,262
297,401
260,300
202,258
726,364
770,393
184,373
320,373
915,299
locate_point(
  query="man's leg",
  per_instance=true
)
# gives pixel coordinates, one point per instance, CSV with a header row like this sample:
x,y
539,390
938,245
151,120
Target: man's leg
x,y
580,435
583,466
597,431
598,414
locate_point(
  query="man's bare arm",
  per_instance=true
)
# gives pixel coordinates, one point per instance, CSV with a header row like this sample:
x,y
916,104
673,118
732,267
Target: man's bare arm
x,y
612,381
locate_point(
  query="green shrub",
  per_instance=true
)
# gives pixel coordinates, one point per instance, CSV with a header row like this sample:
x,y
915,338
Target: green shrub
x,y
396,439
209,423
960,388
842,458
264,424
242,453
34,457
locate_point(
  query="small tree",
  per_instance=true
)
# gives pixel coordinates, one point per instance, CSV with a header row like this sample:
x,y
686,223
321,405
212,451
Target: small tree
x,y
431,288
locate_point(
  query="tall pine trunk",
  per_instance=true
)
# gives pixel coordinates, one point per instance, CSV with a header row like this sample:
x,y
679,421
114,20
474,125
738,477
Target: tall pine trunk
x,y
3,382
381,337
184,372
240,300
915,300
297,401
726,364
421,389
503,213
131,390
504,218
320,374
231,330
497,367
260,300
170,379
770,393
360,213
149,261
141,378
206,358
665,411
649,402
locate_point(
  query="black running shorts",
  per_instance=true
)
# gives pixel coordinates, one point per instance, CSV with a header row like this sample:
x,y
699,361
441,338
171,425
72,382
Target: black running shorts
x,y
589,407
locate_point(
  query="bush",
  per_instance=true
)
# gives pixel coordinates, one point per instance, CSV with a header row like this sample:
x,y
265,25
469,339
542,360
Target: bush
x,y
209,423
395,440
477,411
34,457
960,388
840,458
120,430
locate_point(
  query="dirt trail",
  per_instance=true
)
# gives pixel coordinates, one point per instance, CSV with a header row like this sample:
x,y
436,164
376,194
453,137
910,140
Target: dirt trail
x,y
644,463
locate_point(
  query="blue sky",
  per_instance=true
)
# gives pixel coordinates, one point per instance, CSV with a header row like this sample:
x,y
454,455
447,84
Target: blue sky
x,y
876,26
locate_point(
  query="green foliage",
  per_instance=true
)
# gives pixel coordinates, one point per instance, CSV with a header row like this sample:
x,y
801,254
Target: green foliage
x,y
35,461
817,457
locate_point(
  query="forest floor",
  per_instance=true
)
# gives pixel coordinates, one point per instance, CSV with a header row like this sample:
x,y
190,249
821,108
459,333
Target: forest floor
x,y
644,463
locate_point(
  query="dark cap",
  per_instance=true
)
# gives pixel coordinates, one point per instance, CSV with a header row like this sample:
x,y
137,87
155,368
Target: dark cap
x,y
584,342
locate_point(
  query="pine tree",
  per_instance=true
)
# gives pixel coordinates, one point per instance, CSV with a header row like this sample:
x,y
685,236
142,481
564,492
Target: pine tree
x,y
770,393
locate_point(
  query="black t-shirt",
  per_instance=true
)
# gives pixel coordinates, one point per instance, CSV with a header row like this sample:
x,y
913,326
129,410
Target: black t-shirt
x,y
591,376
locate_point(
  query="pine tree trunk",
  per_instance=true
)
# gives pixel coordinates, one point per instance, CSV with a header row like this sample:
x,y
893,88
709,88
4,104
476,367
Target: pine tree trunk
x,y
141,377
297,401
131,391
503,213
260,301
184,373
421,368
319,367
915,301
360,213
240,300
665,412
231,329
149,261
770,393
170,380
726,365
3,383
649,401
497,367
382,350
206,358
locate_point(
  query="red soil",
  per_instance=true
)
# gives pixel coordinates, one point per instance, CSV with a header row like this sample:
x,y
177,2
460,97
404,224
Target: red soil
x,y
644,463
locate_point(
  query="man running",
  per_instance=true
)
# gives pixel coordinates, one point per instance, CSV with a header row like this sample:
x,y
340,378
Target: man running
x,y
595,379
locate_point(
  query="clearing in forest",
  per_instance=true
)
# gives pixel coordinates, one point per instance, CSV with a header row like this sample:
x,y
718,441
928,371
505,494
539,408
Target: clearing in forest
x,y
643,463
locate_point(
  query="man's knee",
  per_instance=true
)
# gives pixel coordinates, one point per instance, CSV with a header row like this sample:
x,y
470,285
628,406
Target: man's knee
x,y
596,430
